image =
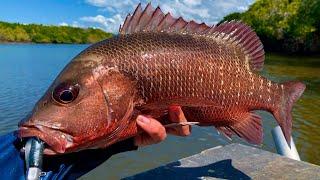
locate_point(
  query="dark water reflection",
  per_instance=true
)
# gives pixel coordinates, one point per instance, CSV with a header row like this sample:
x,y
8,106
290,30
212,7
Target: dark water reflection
x,y
27,70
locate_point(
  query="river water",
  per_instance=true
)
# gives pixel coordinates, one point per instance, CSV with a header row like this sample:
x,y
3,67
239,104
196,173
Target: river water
x,y
26,70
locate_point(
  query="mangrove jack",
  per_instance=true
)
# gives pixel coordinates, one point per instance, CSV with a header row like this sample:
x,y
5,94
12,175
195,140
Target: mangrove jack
x,y
156,62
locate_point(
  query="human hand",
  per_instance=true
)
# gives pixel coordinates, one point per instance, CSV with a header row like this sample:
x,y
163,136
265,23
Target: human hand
x,y
155,132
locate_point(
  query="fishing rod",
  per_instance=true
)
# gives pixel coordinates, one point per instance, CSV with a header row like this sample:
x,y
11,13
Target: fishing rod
x,y
34,158
282,146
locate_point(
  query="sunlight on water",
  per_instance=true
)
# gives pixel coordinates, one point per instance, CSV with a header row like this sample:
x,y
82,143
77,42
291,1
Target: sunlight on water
x,y
27,70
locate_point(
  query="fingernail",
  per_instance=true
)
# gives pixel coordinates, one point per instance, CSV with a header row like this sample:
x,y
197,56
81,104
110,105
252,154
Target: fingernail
x,y
143,119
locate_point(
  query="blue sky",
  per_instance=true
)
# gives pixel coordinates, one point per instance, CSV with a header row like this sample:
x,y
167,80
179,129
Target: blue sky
x,y
109,14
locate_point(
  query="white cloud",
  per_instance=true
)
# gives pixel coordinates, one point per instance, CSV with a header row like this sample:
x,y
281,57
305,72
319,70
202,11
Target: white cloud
x,y
110,24
192,2
63,24
77,24
113,3
188,9
97,19
98,3
242,8
113,12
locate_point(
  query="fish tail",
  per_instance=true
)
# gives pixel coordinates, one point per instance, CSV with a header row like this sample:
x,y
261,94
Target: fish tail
x,y
291,92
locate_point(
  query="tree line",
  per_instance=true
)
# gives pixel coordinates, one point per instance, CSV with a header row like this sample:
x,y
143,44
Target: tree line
x,y
291,26
36,33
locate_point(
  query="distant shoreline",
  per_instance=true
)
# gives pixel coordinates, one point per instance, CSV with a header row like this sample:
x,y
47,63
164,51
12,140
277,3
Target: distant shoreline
x,y
33,43
37,33
296,55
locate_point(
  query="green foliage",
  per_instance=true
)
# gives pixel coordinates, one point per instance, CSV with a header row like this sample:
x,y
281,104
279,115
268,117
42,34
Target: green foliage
x,y
15,32
285,25
232,16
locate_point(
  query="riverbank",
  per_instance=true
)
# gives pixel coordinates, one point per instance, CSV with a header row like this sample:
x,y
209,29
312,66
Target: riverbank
x,y
292,59
38,33
284,26
308,58
33,43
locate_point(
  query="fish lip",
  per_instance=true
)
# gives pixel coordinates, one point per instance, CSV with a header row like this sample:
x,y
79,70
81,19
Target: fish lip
x,y
56,141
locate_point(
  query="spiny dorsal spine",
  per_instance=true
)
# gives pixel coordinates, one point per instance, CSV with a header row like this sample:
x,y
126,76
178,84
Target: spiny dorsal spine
x,y
233,32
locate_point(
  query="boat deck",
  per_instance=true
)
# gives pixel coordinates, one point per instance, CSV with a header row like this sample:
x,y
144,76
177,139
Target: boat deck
x,y
234,161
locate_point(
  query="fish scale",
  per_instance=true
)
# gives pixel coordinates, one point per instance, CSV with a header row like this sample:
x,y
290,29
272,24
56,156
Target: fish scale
x,y
158,61
196,61
189,57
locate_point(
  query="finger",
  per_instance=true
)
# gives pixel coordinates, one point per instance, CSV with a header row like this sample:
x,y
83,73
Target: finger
x,y
176,115
153,133
180,131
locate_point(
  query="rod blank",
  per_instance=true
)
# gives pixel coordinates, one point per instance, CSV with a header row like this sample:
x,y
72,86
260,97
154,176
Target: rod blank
x,y
282,145
33,156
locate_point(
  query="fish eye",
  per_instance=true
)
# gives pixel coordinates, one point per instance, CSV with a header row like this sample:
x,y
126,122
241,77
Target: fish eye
x,y
65,93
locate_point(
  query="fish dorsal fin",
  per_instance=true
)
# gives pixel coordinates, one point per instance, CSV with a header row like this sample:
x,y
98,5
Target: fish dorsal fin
x,y
243,36
233,32
154,20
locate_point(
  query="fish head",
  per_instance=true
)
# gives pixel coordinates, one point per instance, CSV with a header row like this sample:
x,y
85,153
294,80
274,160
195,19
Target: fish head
x,y
76,112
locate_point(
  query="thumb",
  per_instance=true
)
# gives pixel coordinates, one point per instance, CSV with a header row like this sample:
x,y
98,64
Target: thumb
x,y
152,128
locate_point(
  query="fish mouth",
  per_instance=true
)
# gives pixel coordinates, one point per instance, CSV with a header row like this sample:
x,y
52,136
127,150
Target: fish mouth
x,y
56,141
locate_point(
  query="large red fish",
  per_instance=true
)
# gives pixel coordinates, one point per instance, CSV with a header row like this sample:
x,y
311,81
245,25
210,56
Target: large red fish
x,y
155,62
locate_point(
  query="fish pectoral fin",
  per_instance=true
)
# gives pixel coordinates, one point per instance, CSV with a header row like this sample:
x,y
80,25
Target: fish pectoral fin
x,y
249,127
